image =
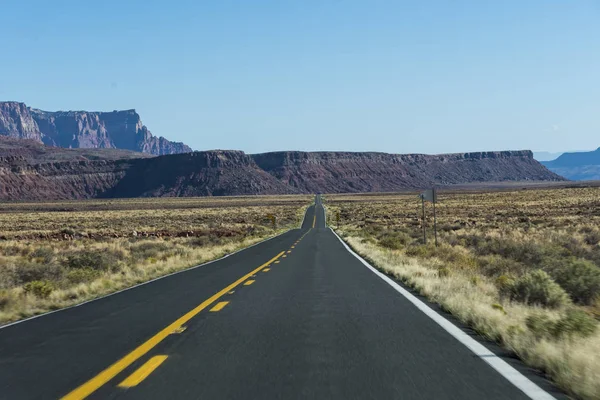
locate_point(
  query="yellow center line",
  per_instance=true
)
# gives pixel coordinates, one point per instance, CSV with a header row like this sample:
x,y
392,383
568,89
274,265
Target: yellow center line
x,y
266,269
289,251
142,372
314,221
250,282
276,262
219,306
103,377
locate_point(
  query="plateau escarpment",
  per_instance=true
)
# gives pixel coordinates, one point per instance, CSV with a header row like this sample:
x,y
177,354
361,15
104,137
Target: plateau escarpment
x,y
201,173
341,172
35,172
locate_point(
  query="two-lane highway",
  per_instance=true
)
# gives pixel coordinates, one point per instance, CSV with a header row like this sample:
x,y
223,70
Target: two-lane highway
x,y
297,316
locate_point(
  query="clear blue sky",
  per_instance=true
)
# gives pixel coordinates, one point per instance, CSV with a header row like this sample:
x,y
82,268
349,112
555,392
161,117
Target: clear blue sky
x,y
395,76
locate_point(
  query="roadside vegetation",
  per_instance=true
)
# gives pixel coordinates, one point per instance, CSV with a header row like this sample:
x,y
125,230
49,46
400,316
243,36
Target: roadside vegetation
x,y
53,255
520,267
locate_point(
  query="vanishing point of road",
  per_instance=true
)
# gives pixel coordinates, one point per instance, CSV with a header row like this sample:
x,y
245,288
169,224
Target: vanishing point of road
x,y
296,316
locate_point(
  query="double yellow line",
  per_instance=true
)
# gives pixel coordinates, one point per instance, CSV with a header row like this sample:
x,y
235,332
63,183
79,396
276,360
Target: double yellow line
x,y
109,373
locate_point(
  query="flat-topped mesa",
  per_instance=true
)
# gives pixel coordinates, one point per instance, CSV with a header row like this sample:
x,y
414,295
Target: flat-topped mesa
x,y
32,171
335,172
201,173
83,129
277,159
198,160
480,155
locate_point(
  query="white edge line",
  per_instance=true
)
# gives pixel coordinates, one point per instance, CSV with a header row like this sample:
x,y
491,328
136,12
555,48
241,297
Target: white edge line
x,y
143,283
302,223
502,367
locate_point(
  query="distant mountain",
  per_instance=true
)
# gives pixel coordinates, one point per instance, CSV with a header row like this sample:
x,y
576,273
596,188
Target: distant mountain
x,y
34,172
577,166
545,155
83,129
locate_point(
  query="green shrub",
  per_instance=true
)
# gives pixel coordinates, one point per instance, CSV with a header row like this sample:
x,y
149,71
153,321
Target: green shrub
x,y
450,227
395,240
499,307
580,278
4,299
454,240
173,252
525,252
26,271
41,289
82,275
95,260
373,230
43,255
15,250
573,323
443,272
592,238
472,240
368,240
421,251
495,265
571,246
205,240
505,282
454,256
149,249
535,288
540,324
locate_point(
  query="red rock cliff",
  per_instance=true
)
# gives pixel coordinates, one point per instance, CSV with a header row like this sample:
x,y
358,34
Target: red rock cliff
x,y
83,129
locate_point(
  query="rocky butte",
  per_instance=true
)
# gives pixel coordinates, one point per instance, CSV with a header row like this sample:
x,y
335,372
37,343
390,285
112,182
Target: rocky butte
x,y
83,129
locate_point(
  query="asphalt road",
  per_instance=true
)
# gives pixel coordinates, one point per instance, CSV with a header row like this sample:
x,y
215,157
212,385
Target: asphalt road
x,y
297,316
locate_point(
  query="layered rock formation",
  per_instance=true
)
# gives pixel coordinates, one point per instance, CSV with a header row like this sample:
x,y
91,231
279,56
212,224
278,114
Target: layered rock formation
x,y
82,129
58,181
75,174
16,121
339,172
206,173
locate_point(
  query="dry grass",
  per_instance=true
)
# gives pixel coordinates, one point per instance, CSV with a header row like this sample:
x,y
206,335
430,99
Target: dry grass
x,y
51,258
491,245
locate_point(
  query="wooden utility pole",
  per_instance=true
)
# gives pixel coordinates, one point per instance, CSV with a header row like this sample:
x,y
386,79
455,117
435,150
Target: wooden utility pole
x,y
434,219
429,195
424,231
